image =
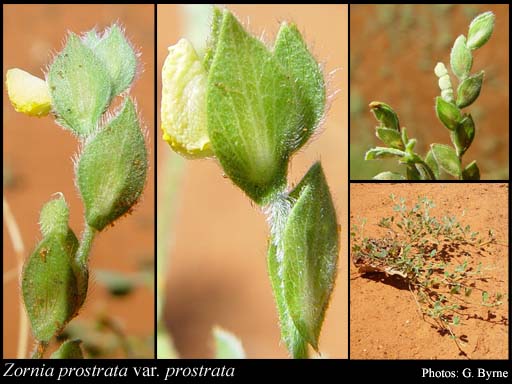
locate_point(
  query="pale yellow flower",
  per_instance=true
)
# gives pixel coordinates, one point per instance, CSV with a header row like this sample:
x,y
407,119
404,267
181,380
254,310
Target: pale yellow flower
x,y
183,108
28,94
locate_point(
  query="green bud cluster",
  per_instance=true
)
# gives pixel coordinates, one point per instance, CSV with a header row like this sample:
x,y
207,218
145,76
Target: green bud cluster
x,y
83,81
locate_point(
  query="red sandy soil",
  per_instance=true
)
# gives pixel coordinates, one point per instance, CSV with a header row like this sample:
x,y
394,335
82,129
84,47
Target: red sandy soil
x,y
384,319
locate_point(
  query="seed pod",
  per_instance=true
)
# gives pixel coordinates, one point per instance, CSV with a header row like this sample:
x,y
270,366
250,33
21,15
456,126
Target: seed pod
x,y
183,107
385,115
111,170
469,90
461,59
50,280
28,94
448,114
480,30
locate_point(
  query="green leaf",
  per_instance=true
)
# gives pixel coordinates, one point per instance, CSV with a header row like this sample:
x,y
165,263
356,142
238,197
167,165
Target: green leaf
x,y
469,89
447,159
117,283
311,246
296,344
253,118
455,290
119,58
432,163
448,114
480,30
111,170
388,176
227,345
461,59
485,296
463,135
385,115
390,137
413,173
383,152
80,87
217,18
292,53
50,282
471,172
70,349
456,320
91,39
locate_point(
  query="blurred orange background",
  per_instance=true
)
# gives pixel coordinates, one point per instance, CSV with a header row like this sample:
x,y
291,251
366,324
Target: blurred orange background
x,y
38,161
217,267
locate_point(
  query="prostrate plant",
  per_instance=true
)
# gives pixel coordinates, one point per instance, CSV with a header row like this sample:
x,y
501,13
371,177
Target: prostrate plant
x,y
425,252
252,108
110,170
441,159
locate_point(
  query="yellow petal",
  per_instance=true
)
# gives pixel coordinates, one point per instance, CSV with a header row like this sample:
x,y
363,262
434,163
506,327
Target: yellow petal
x,y
183,108
28,94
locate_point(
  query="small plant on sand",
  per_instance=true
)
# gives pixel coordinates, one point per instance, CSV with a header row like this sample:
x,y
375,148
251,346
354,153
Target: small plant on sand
x,y
252,107
110,171
441,160
432,257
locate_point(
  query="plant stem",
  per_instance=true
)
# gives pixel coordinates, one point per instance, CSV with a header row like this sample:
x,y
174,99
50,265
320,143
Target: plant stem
x,y
19,249
429,171
84,249
300,350
40,350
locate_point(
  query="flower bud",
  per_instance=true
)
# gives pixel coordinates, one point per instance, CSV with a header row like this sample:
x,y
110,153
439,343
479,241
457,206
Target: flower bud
x,y
461,59
480,30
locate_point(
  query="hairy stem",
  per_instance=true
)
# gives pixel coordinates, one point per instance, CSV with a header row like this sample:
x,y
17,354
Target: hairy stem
x,y
40,349
300,349
84,249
